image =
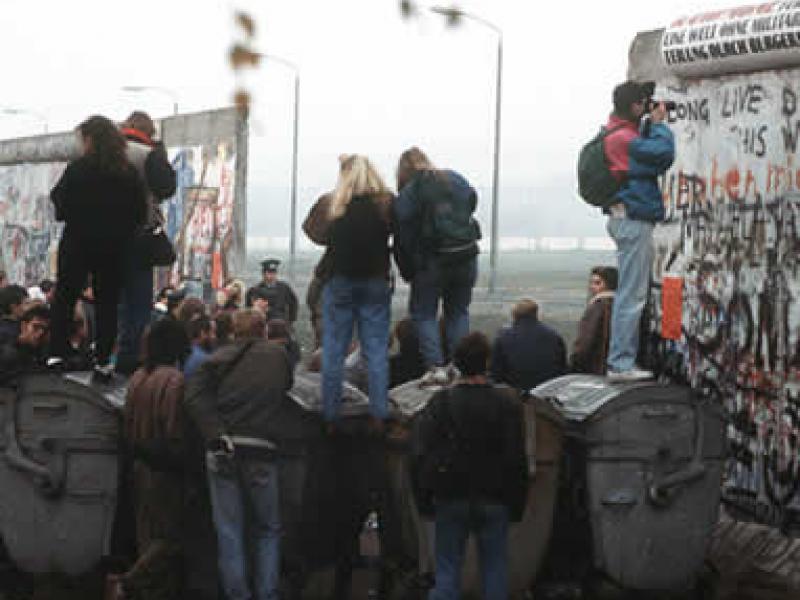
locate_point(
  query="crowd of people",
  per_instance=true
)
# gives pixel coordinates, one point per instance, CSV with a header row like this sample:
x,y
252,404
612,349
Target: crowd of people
x,y
204,379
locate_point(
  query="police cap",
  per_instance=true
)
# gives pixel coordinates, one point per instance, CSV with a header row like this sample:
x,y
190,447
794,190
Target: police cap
x,y
270,265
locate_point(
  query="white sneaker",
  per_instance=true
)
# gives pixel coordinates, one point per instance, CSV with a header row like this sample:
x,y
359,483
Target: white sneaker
x,y
435,376
631,375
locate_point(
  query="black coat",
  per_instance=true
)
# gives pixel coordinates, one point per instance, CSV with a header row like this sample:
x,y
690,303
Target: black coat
x,y
527,354
98,206
282,299
471,446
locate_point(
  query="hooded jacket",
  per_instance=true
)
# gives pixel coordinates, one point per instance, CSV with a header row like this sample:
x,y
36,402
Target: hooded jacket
x,y
637,161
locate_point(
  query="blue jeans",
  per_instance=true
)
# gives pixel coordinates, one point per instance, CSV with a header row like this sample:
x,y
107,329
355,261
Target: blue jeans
x,y
345,303
634,240
239,487
136,304
455,520
452,284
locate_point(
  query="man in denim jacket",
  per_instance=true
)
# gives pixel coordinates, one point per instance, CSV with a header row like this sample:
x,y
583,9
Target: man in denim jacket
x,y
636,155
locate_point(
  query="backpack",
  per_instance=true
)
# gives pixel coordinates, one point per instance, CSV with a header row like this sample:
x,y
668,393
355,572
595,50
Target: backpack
x,y
596,185
447,225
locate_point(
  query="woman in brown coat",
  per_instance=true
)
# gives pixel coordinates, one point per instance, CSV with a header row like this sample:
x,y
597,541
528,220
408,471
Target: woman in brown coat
x,y
591,345
155,430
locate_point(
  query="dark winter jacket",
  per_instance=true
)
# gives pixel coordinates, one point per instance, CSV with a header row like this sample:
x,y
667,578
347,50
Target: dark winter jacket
x,y
17,359
470,446
637,161
99,206
152,164
281,297
155,425
590,351
359,239
357,242
412,249
528,353
9,329
239,389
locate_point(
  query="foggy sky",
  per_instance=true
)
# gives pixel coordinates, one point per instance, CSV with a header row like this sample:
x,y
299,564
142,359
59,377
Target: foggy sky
x,y
371,82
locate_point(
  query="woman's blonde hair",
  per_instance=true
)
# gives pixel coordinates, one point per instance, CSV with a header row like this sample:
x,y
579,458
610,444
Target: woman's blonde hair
x,y
357,177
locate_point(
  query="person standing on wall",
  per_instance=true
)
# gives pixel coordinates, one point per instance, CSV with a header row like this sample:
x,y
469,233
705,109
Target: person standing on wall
x,y
279,294
637,152
101,200
150,159
355,224
590,350
436,249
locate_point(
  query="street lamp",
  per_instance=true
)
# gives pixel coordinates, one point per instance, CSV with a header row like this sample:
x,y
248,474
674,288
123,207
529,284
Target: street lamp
x,y
293,219
453,14
154,88
26,112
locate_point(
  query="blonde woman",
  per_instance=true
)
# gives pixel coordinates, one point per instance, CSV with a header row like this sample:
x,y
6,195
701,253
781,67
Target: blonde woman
x,y
354,222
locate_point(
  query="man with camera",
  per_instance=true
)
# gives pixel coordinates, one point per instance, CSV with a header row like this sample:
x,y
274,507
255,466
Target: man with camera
x,y
638,147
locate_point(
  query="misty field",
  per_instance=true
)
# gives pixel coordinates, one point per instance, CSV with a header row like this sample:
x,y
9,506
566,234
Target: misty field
x,y
556,280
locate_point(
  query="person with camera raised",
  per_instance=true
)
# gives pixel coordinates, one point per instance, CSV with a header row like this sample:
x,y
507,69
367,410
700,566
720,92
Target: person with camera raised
x,y
638,147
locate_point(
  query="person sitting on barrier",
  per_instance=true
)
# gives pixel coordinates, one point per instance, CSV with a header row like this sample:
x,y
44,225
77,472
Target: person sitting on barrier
x,y
407,364
101,201
27,351
471,466
529,352
200,331
12,301
233,398
155,431
590,350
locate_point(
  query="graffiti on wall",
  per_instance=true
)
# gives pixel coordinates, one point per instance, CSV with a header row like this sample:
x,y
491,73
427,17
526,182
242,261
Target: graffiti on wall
x,y
199,217
732,237
28,231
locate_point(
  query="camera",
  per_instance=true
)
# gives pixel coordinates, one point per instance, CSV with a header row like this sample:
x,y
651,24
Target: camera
x,y
649,89
669,105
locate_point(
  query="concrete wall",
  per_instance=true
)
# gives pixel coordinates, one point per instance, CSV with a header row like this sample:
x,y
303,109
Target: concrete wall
x,y
206,217
725,315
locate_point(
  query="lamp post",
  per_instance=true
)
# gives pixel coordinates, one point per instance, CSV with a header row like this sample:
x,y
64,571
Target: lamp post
x,y
293,219
26,112
453,14
171,94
